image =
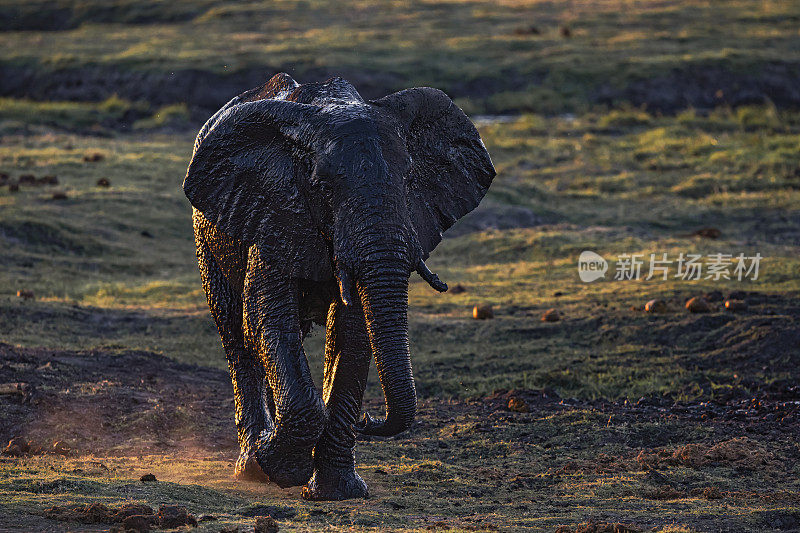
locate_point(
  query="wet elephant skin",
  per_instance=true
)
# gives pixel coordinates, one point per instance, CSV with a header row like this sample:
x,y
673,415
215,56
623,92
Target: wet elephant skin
x,y
311,204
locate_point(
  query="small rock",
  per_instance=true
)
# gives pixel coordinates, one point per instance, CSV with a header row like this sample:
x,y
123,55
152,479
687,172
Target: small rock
x,y
265,524
148,478
61,448
457,289
13,187
551,315
93,157
518,405
171,516
735,306
655,306
59,195
27,179
25,294
565,32
48,180
18,444
103,182
707,233
146,234
13,451
482,312
4,178
139,523
93,513
206,518
558,293
131,509
698,305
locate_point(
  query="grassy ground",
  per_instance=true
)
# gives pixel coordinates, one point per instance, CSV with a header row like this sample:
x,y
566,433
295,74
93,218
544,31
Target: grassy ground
x,y
671,422
494,56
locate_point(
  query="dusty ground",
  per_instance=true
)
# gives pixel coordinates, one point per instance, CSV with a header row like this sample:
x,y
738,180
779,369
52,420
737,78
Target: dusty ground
x,y
523,459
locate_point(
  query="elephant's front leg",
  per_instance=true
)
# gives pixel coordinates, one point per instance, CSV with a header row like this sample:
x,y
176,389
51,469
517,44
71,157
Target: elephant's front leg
x,y
272,325
347,359
252,398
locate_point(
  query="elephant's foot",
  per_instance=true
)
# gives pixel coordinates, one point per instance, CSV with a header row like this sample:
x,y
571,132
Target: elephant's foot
x,y
335,484
286,463
248,469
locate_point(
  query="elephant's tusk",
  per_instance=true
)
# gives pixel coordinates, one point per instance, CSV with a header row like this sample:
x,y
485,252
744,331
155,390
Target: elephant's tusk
x,y
345,287
432,279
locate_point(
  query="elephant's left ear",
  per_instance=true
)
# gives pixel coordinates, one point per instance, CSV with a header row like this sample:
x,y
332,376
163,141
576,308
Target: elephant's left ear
x,y
246,177
450,167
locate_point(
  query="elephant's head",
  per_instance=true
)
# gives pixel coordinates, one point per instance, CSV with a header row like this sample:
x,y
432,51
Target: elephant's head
x,y
329,185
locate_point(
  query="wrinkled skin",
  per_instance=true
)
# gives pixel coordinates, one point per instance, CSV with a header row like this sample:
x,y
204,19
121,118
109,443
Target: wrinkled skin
x,y
314,205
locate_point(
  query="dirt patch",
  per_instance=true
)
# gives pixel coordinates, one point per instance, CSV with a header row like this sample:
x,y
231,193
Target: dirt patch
x,y
738,453
132,516
203,91
763,339
593,526
698,86
96,513
706,86
780,520
469,462
101,401
760,341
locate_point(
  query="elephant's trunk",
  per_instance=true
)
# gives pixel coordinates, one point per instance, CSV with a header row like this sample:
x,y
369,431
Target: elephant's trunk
x,y
384,297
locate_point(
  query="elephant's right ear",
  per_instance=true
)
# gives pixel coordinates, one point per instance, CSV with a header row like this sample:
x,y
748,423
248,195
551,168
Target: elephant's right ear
x,y
244,177
450,169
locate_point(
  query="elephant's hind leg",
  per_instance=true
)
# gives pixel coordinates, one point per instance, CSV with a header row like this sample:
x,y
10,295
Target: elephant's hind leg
x,y
251,394
347,358
272,324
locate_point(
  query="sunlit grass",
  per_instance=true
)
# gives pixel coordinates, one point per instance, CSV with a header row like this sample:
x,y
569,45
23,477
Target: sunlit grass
x,y
446,44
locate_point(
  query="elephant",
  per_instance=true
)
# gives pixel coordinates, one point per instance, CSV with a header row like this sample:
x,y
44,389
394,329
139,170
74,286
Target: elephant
x,y
313,205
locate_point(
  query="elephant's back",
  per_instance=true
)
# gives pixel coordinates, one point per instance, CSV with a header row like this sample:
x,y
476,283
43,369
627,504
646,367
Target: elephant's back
x,y
229,253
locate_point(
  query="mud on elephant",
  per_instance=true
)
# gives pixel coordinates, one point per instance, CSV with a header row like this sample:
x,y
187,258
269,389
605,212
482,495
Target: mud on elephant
x,y
314,205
